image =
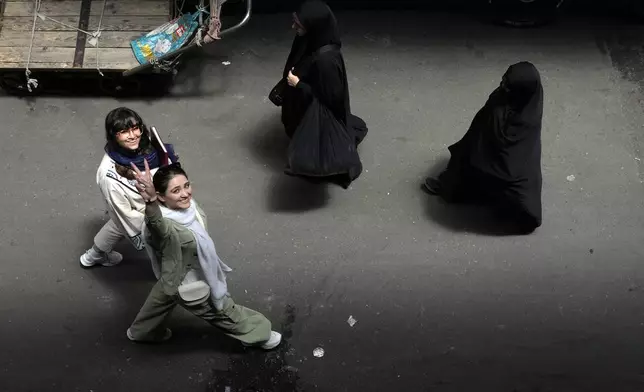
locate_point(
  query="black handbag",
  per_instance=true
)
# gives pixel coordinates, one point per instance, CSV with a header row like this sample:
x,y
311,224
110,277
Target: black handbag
x,y
277,93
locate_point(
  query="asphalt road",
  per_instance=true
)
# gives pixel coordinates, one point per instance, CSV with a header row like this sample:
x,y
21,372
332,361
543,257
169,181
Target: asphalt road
x,y
442,302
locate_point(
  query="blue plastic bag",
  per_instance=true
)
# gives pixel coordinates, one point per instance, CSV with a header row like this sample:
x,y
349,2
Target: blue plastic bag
x,y
165,39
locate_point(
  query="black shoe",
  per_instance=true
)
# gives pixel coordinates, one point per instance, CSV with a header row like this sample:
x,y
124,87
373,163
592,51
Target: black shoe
x,y
432,186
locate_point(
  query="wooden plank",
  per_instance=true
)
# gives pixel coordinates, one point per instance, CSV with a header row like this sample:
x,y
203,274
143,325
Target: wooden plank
x,y
109,59
117,39
60,1
81,37
39,55
110,23
62,39
58,8
72,8
131,8
55,45
36,66
66,39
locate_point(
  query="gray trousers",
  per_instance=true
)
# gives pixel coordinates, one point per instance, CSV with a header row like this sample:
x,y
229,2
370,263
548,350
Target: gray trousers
x,y
108,236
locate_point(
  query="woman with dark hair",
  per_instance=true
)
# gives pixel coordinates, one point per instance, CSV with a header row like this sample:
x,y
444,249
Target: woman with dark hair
x,y
316,110
192,274
128,142
498,161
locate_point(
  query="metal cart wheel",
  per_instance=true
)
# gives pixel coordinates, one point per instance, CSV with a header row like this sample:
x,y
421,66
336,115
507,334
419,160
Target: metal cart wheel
x,y
15,83
524,13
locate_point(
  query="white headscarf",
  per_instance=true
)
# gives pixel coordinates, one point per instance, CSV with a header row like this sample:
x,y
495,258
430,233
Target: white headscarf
x,y
211,265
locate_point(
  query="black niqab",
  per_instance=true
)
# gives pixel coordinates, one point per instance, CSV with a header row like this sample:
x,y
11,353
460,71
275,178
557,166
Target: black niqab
x,y
320,24
317,113
499,157
321,29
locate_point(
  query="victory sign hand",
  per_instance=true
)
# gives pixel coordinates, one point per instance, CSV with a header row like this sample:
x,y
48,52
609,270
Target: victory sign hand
x,y
144,182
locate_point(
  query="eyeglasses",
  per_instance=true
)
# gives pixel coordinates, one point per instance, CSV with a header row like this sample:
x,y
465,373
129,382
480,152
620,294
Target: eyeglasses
x,y
134,130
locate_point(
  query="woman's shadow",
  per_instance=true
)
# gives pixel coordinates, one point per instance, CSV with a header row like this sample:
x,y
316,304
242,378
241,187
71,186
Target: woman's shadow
x,y
269,144
257,370
468,218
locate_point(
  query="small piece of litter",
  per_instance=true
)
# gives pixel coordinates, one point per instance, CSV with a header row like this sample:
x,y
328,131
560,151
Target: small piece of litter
x,y
352,321
225,62
318,352
570,178
227,389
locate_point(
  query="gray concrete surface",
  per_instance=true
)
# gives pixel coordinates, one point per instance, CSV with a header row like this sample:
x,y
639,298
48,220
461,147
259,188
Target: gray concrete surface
x,y
442,303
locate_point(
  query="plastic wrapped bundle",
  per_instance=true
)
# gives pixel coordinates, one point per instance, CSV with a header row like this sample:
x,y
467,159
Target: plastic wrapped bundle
x,y
165,39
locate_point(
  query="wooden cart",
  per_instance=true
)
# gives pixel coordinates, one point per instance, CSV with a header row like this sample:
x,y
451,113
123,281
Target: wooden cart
x,y
47,44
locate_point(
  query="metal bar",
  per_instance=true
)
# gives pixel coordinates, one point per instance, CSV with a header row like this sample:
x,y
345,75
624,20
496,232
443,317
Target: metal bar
x,y
241,24
81,38
142,67
201,13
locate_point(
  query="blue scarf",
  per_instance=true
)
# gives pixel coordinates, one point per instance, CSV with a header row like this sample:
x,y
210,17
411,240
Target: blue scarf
x,y
155,158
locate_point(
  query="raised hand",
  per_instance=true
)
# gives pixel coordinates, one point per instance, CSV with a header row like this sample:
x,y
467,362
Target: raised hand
x,y
144,183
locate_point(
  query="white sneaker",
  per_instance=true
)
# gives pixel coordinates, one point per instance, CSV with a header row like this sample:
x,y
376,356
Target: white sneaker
x,y
273,341
92,258
166,336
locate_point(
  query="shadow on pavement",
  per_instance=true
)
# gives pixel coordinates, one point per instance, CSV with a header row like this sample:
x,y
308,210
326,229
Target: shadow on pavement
x,y
198,75
257,370
135,266
291,194
125,288
478,219
269,145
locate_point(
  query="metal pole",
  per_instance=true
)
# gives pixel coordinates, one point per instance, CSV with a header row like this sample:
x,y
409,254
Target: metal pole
x,y
142,67
201,13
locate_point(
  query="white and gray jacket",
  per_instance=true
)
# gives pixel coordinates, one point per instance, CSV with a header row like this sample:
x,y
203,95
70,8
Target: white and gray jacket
x,y
125,205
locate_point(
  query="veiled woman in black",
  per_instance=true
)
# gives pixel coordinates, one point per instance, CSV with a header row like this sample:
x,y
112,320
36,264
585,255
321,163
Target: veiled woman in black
x,y
498,161
316,111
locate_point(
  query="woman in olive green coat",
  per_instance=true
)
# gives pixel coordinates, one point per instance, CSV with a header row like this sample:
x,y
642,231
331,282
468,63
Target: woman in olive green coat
x,y
192,275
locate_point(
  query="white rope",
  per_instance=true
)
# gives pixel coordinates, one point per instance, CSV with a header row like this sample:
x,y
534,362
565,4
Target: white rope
x,y
97,35
30,81
214,25
201,7
198,40
94,35
202,29
44,17
179,8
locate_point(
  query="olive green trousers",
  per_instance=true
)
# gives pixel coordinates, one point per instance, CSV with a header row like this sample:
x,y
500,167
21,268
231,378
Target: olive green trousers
x,y
238,322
